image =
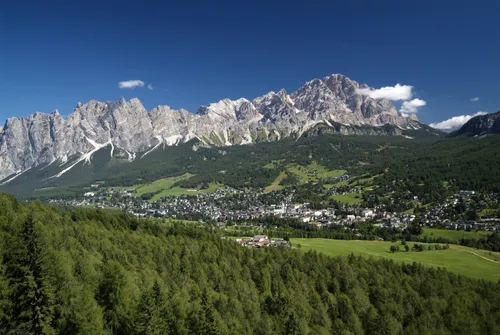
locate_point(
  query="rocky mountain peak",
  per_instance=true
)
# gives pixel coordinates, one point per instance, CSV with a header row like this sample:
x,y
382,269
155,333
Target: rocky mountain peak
x,y
202,110
127,125
225,108
282,93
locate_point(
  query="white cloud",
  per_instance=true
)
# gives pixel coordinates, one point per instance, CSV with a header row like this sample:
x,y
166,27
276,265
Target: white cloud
x,y
455,122
150,87
395,93
412,106
131,84
476,99
398,92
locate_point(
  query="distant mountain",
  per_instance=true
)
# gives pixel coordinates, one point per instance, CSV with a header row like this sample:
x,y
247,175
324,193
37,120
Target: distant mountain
x,y
128,129
452,124
480,125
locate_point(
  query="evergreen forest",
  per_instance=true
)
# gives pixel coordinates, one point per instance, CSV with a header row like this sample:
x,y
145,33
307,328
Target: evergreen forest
x,y
81,271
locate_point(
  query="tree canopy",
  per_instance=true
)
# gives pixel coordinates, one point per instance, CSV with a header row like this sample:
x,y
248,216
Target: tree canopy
x,y
92,272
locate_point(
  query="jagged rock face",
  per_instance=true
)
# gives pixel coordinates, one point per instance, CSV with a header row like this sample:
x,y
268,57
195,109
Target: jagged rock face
x,y
481,125
335,98
171,126
45,138
126,124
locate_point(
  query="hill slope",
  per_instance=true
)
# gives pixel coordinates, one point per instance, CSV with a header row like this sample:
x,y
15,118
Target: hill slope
x,y
88,272
480,125
236,166
421,165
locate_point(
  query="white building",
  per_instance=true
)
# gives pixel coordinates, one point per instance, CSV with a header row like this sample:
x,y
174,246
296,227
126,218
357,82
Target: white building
x,y
367,213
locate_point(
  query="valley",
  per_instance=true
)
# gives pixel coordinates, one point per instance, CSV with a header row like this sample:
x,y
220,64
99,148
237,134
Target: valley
x,y
327,182
253,168
416,206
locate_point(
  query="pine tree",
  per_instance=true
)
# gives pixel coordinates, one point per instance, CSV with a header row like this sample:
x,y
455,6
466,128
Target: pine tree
x,y
114,295
292,326
31,295
208,322
5,303
152,316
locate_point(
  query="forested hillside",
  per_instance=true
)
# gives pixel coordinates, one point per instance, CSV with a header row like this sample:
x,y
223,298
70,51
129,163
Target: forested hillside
x,y
428,167
91,272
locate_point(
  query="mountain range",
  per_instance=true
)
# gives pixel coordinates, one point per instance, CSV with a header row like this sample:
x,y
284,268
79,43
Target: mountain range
x,y
127,128
480,125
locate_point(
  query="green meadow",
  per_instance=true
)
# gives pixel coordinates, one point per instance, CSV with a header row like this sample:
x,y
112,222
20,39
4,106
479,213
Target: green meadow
x,y
276,183
349,198
454,235
466,261
313,172
165,187
160,184
176,191
305,174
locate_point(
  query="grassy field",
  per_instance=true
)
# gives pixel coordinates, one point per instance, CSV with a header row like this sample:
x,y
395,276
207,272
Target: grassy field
x,y
349,198
454,235
313,172
160,184
165,187
339,184
487,212
470,262
276,183
175,191
310,173
366,180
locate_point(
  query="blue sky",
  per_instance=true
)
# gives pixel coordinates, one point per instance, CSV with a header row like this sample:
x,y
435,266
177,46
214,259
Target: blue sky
x,y
54,54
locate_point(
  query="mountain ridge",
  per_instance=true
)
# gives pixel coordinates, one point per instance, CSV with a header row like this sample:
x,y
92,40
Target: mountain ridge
x,y
480,125
40,138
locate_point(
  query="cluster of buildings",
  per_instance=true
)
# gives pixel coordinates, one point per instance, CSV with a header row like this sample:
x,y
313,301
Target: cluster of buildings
x,y
262,241
225,205
443,215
